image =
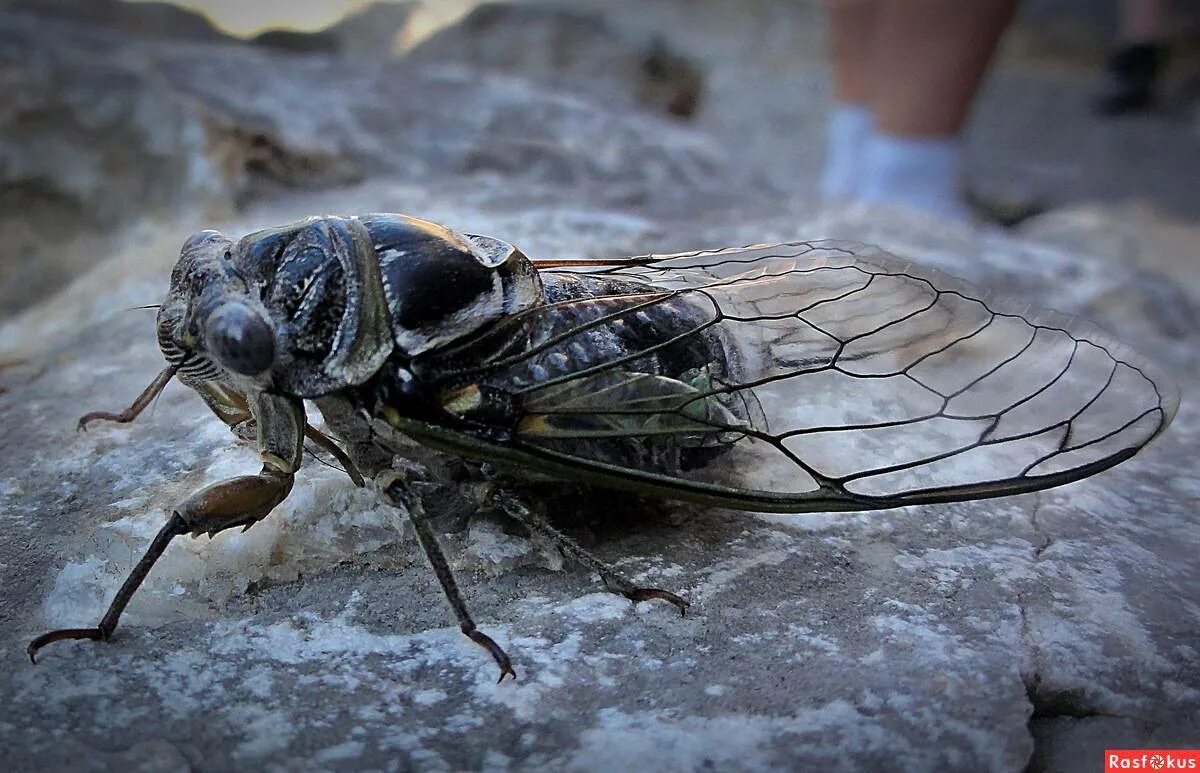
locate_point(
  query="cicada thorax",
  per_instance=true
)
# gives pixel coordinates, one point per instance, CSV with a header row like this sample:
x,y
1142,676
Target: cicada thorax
x,y
578,365
346,294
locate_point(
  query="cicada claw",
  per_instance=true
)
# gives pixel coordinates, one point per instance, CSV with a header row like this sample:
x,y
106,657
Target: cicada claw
x,y
94,634
494,649
645,594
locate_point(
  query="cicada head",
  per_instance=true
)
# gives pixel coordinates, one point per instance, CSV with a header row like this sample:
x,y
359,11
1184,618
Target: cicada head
x,y
212,324
318,305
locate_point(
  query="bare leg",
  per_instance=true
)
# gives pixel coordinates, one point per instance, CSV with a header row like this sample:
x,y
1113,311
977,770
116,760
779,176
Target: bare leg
x,y
851,43
930,59
393,492
613,579
1142,21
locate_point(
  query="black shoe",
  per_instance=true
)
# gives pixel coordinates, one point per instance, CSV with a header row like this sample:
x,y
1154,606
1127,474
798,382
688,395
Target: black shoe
x,y
1130,79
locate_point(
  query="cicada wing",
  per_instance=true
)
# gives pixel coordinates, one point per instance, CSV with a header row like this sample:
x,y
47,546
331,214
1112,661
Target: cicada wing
x,y
846,378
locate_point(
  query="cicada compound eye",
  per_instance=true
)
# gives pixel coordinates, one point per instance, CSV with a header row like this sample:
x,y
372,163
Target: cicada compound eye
x,y
240,339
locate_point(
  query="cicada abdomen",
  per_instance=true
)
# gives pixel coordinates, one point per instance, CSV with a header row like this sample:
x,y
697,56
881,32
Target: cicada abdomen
x,y
872,383
608,367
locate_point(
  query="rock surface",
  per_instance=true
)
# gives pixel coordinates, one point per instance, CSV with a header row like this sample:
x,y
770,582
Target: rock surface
x,y
93,141
569,50
141,20
378,30
102,134
1034,630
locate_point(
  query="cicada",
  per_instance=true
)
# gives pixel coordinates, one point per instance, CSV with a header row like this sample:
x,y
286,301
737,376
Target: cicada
x,y
797,377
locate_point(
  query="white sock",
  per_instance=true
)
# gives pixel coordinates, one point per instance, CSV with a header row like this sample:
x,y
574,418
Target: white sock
x,y
849,127
920,174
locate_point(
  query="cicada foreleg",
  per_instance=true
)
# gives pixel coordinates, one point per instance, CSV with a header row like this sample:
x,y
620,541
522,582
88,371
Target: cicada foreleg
x,y
392,489
230,407
227,404
135,409
613,579
241,501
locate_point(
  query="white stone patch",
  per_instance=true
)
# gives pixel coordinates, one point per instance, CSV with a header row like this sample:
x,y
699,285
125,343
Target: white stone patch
x,y
1010,561
78,596
259,681
662,569
486,540
595,607
495,762
10,489
189,683
1091,629
343,751
308,637
746,742
814,640
545,667
1180,693
267,731
429,697
819,522
550,662
1189,485
920,632
722,574
129,503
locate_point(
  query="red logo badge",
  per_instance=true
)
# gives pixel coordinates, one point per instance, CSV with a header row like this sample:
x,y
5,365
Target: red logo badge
x,y
1116,760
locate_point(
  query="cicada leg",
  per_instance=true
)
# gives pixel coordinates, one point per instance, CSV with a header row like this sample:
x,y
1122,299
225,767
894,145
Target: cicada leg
x,y
230,407
241,501
612,577
174,527
134,410
330,445
391,487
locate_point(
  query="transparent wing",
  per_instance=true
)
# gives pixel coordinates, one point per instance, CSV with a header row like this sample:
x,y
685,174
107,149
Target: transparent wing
x,y
848,379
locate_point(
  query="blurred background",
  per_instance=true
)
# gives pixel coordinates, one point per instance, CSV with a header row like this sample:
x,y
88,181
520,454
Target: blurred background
x,y
123,118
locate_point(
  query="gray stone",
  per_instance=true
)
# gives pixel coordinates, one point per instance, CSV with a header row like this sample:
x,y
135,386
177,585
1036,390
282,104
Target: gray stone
x,y
1028,631
146,20
377,30
571,50
101,133
962,636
